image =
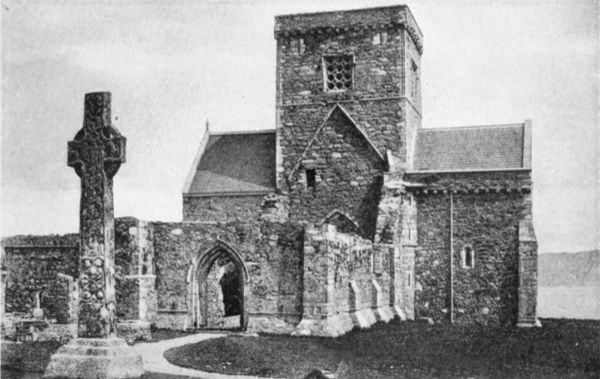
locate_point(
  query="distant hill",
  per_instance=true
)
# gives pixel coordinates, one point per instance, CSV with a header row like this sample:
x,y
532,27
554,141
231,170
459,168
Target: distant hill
x,y
569,269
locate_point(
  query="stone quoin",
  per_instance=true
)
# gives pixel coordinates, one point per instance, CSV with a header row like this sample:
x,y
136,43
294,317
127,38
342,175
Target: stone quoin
x,y
348,212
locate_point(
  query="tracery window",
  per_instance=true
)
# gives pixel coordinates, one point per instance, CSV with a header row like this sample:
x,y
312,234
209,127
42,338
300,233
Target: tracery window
x,y
339,72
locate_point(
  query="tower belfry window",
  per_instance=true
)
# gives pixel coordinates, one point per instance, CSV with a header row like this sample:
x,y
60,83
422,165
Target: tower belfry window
x,y
339,72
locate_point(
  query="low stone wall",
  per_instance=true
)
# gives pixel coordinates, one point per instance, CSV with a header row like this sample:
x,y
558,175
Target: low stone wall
x,y
134,330
33,263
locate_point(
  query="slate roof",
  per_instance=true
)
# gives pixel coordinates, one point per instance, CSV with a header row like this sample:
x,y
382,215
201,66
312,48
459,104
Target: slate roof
x,y
241,163
470,148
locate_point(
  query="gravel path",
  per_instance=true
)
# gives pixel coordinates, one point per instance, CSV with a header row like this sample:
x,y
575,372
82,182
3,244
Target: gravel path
x,y
154,360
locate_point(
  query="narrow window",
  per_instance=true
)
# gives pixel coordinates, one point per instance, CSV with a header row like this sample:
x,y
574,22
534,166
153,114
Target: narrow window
x,y
377,262
311,182
408,279
384,37
376,39
467,257
414,87
338,71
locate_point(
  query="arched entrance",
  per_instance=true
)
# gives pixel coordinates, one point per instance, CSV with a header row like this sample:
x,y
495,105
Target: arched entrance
x,y
216,288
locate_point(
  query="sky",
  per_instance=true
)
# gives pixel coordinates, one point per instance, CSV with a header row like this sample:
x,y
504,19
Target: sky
x,y
171,65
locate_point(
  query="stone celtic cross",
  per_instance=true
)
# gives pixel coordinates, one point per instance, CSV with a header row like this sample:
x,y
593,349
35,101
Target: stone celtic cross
x,y
96,153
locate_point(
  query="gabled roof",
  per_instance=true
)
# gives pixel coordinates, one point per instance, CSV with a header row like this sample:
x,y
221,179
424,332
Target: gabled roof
x,y
474,148
363,133
240,163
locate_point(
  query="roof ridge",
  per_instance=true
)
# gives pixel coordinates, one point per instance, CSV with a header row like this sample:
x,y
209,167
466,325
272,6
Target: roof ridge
x,y
241,132
490,126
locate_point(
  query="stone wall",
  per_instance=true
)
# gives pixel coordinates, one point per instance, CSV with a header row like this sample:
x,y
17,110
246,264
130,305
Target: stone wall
x,y
377,102
270,252
33,263
348,177
488,222
528,274
134,261
342,284
62,298
221,208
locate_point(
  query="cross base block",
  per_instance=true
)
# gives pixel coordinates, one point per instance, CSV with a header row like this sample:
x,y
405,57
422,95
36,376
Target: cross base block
x,y
95,358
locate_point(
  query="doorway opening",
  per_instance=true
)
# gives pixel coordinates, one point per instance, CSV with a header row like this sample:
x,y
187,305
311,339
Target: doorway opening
x,y
217,289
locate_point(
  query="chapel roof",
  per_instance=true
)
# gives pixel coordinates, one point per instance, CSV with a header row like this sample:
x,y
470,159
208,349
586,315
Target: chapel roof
x,y
233,163
492,147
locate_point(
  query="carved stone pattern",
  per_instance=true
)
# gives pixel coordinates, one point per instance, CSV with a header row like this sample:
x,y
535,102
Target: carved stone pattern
x,y
96,154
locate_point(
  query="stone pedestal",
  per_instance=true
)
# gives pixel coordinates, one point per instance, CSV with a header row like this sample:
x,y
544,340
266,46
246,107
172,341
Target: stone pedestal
x,y
95,358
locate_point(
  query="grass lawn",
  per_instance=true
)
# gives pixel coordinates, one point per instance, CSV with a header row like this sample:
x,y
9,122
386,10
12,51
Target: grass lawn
x,y
560,349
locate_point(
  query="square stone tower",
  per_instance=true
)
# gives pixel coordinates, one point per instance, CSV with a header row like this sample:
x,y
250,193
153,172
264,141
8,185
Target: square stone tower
x,y
348,98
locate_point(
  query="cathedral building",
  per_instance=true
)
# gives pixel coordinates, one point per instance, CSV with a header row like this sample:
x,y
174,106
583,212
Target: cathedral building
x,y
347,212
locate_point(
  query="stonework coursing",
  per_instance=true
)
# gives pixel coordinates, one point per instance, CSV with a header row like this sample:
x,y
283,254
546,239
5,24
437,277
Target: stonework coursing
x,y
348,234
33,263
221,208
486,293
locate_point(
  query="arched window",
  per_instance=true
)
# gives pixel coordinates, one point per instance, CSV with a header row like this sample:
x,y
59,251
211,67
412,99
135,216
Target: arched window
x,y
467,256
342,222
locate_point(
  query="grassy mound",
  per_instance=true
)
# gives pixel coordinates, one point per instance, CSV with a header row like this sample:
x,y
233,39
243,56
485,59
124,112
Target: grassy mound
x,y
560,349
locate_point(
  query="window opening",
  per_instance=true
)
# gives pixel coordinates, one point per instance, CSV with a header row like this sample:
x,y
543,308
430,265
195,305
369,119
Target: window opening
x,y
468,257
376,39
311,181
338,72
380,38
414,88
297,46
377,262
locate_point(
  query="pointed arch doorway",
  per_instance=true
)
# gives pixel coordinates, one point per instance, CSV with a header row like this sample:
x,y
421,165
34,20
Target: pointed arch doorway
x,y
216,289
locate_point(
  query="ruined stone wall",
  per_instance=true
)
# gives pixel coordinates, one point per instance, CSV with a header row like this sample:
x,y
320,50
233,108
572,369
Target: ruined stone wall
x,y
270,251
342,283
214,298
134,266
221,208
488,222
33,263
